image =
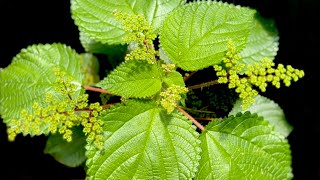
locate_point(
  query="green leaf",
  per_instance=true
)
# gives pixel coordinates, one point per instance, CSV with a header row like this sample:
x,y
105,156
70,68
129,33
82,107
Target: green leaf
x,y
195,36
72,153
90,68
144,142
133,79
174,78
262,42
30,76
269,110
243,147
95,18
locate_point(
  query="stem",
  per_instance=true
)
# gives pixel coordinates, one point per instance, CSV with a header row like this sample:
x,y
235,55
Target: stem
x,y
187,77
106,106
207,119
195,122
196,110
204,84
90,88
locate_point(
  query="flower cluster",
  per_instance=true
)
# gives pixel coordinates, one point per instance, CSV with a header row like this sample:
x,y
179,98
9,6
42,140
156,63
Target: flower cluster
x,y
258,75
93,125
141,32
167,68
60,114
171,96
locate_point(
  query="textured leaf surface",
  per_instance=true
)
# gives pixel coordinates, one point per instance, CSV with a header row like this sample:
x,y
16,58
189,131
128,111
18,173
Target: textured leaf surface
x,y
174,78
270,111
243,147
133,79
95,18
30,76
195,36
262,42
72,153
143,142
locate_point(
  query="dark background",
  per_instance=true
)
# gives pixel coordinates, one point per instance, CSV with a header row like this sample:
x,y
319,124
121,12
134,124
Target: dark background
x,y
30,22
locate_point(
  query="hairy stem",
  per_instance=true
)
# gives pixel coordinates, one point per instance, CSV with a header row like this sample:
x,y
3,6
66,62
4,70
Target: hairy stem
x,y
195,122
204,84
90,88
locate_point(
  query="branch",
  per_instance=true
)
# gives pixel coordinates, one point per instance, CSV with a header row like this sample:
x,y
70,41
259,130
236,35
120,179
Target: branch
x,y
206,119
189,76
90,88
106,106
195,122
199,111
204,84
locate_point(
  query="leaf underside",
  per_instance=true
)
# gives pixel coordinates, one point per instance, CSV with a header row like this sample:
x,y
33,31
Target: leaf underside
x,y
72,153
262,42
143,142
195,36
243,147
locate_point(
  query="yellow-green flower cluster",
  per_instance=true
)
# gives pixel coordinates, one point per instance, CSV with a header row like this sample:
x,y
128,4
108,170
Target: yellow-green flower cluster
x,y
60,116
171,96
92,125
258,75
143,53
167,68
138,31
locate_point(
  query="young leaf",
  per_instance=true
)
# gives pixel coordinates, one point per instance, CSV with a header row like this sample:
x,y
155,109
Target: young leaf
x,y
269,110
144,142
195,36
95,18
133,79
243,147
262,42
174,78
72,153
30,76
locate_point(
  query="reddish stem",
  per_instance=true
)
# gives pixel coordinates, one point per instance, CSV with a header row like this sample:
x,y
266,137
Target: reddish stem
x,y
195,122
206,119
90,88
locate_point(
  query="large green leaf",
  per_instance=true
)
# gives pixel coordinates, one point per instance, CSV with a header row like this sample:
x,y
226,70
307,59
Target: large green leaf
x,y
133,79
30,76
144,142
95,18
196,35
243,147
269,110
262,42
72,153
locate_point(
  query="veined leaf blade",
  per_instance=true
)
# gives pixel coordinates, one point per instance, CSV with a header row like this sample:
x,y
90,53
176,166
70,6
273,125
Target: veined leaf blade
x,y
195,36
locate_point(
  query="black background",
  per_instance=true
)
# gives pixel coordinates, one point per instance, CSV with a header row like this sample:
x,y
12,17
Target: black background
x,y
30,22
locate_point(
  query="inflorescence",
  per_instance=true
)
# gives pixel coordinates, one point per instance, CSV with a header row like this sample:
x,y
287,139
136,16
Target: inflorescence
x,y
61,115
140,32
171,96
257,74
